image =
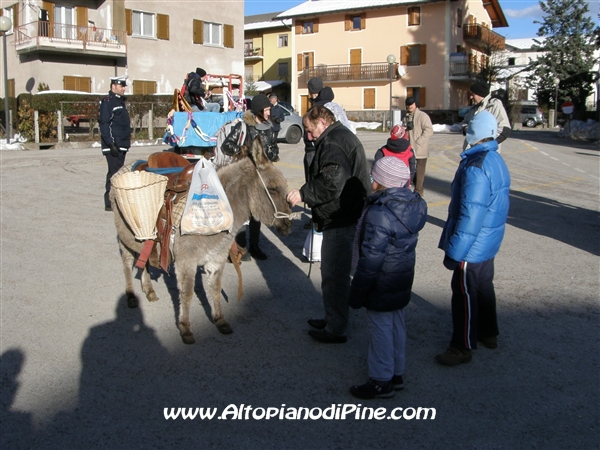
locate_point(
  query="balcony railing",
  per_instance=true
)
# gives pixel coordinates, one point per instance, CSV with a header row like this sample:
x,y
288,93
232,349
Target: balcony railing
x,y
462,70
253,52
483,39
62,38
349,72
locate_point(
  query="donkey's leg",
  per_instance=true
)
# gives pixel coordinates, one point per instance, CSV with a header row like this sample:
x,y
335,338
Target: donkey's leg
x,y
128,258
186,277
147,285
214,278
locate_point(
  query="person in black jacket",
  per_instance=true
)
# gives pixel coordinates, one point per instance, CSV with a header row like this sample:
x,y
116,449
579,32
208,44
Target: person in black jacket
x,y
255,124
386,241
115,130
277,116
338,182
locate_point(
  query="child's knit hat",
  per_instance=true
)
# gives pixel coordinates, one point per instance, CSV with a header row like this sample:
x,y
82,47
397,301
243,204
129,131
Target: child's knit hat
x,y
398,132
483,125
390,172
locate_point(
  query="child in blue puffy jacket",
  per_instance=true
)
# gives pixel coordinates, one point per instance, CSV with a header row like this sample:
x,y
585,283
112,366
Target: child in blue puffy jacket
x,y
386,239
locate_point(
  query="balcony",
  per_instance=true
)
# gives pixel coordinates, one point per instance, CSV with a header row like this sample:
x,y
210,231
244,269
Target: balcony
x,y
349,72
463,70
251,53
483,39
43,36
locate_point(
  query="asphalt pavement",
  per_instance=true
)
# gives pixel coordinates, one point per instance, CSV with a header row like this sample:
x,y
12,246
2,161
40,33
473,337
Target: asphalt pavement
x,y
80,370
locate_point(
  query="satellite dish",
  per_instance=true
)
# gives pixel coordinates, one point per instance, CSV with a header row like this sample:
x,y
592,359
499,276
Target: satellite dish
x,y
30,84
401,71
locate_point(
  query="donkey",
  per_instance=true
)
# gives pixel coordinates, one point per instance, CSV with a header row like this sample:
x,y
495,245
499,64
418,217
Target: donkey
x,y
254,187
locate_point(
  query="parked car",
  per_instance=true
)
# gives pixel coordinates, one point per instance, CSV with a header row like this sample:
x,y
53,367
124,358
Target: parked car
x,y
292,129
529,113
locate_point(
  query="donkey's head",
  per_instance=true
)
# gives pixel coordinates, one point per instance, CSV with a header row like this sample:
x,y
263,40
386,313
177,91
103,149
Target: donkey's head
x,y
267,198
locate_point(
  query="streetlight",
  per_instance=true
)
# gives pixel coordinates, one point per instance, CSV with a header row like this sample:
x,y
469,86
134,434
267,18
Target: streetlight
x,y
556,83
5,25
391,59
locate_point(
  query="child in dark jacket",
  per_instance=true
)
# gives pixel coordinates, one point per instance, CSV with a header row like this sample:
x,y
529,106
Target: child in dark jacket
x,y
398,145
387,236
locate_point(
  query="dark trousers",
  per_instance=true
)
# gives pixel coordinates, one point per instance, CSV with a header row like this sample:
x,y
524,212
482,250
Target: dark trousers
x,y
254,227
114,164
336,262
420,175
473,304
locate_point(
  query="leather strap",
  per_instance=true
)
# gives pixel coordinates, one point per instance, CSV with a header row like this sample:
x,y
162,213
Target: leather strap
x,y
143,258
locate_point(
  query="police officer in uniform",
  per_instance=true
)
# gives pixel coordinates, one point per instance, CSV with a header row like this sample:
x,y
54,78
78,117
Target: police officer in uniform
x,y
115,130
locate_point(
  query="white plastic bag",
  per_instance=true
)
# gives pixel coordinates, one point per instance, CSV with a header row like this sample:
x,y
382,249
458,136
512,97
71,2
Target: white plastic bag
x,y
313,244
207,210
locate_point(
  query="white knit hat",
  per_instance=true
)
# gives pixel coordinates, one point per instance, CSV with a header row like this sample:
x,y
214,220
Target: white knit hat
x,y
390,172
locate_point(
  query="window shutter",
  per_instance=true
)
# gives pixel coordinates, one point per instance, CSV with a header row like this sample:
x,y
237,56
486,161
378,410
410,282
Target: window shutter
x,y
404,55
198,32
11,88
82,16
363,22
369,98
422,97
423,57
128,26
15,17
311,59
298,27
228,36
162,26
315,25
141,87
348,23
409,92
50,8
69,83
81,84
300,62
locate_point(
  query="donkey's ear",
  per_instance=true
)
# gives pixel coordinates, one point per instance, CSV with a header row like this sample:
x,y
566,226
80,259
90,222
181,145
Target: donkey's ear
x,y
259,156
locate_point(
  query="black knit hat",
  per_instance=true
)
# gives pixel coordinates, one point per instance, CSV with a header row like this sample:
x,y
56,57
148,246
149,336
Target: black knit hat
x,y
259,103
481,89
315,85
200,72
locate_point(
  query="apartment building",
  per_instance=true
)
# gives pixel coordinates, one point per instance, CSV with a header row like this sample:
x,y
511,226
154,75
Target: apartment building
x,y
268,53
435,48
77,45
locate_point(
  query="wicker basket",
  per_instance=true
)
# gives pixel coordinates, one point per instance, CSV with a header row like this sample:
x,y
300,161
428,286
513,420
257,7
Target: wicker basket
x,y
140,195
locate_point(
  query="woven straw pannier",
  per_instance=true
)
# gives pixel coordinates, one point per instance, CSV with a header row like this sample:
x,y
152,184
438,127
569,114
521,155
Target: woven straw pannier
x,y
140,195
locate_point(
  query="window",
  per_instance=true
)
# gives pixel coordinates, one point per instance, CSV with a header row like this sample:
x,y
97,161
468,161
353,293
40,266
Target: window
x,y
418,93
459,17
142,24
248,74
307,26
81,84
283,70
282,41
369,98
413,55
414,16
64,22
305,60
511,61
141,87
355,22
9,12
213,33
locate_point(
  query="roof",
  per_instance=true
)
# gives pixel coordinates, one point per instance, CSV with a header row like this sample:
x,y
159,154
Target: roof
x,y
524,43
315,7
263,86
267,20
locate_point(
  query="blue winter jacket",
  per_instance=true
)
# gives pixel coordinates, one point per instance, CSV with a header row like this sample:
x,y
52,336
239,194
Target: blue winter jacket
x,y
388,238
478,206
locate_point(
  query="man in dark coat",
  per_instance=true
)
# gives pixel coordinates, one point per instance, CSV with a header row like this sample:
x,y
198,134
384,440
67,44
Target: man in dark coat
x,y
115,130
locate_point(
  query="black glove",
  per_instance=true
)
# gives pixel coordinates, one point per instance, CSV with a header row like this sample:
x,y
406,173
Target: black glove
x,y
450,264
464,129
114,150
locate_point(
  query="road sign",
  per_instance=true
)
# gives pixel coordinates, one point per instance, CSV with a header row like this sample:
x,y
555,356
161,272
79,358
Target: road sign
x,y
568,107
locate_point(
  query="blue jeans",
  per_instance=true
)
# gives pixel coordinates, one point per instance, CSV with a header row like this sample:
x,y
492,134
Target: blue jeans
x,y
336,262
387,344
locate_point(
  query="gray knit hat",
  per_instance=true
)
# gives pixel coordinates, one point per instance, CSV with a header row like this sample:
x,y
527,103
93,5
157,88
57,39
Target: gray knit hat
x,y
390,172
315,85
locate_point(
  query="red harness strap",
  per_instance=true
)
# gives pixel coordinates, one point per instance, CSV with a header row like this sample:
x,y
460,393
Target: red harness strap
x,y
145,254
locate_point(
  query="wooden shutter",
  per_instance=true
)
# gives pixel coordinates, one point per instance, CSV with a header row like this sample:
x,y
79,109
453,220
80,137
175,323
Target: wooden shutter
x,y
141,87
15,15
228,36
422,97
311,59
128,22
369,98
423,54
198,32
81,84
363,21
315,25
11,88
348,23
162,27
300,64
299,27
50,8
82,16
404,55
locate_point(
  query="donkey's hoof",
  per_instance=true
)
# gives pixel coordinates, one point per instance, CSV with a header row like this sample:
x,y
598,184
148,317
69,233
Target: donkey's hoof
x,y
188,338
132,301
152,297
224,327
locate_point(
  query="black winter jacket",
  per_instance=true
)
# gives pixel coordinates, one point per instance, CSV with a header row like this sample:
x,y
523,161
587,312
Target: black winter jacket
x,y
338,179
114,122
251,130
387,243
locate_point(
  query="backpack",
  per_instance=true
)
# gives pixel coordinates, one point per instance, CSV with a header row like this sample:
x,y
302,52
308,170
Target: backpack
x,y
220,159
184,89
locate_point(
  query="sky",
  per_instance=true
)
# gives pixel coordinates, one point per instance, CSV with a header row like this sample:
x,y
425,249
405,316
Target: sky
x,y
520,14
